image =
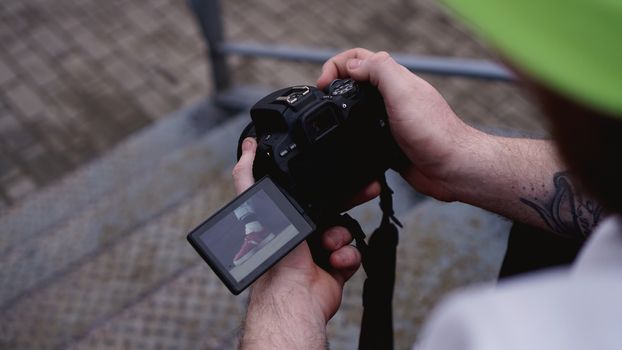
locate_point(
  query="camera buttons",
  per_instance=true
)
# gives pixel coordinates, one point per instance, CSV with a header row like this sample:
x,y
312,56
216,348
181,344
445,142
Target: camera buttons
x,y
286,150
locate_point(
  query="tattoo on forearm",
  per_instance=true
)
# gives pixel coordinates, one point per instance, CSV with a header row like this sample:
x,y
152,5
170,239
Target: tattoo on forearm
x,y
567,211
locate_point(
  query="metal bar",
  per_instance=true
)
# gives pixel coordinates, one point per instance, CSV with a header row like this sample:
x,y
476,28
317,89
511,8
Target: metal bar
x,y
208,14
472,68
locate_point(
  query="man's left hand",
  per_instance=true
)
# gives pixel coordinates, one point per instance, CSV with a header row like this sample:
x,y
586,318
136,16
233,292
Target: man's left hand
x,y
292,302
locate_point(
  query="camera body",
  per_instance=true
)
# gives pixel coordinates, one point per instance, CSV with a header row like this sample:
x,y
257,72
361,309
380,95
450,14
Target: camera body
x,y
316,149
323,147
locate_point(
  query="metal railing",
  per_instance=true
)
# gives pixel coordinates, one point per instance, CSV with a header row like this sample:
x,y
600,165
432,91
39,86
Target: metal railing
x,y
208,13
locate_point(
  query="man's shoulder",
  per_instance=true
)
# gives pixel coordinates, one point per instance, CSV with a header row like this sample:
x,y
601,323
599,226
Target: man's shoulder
x,y
556,309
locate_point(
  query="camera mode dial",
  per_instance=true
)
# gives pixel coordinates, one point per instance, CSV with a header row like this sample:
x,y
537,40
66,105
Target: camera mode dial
x,y
342,87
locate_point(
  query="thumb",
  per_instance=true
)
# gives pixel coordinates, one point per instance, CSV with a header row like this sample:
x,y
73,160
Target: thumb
x,y
243,170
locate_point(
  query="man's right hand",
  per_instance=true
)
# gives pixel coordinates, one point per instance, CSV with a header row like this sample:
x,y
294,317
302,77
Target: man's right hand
x,y
522,179
423,124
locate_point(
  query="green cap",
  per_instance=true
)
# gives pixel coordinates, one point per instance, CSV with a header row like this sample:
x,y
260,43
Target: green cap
x,y
571,46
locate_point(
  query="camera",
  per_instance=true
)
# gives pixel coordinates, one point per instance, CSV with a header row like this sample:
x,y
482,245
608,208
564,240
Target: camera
x,y
316,150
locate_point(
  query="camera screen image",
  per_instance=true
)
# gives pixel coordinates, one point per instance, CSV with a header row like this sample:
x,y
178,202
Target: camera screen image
x,y
250,234
247,237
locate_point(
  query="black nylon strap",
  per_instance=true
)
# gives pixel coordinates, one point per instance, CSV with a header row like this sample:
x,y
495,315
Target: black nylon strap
x,y
378,259
379,264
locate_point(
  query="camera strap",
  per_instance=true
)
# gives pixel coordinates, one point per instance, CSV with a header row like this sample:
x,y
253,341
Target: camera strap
x,y
378,258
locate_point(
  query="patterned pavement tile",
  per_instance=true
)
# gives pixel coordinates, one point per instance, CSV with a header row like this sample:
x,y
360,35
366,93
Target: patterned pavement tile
x,y
94,71
78,77
98,71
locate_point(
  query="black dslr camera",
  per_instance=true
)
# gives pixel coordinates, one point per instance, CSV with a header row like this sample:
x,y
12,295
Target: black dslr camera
x,y
316,149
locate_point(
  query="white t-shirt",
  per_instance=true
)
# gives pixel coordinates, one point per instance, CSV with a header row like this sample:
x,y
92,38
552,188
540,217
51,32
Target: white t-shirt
x,y
572,308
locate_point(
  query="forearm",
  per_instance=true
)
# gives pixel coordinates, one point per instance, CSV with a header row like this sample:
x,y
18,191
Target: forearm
x,y
282,320
524,180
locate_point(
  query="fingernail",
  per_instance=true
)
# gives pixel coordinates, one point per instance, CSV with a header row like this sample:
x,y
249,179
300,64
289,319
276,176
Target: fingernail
x,y
354,63
334,241
247,144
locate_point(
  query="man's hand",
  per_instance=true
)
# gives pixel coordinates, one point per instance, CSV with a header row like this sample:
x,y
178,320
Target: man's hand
x,y
292,302
423,124
522,179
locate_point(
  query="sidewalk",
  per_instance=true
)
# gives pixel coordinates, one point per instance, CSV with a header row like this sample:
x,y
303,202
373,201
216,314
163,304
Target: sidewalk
x,y
76,77
99,259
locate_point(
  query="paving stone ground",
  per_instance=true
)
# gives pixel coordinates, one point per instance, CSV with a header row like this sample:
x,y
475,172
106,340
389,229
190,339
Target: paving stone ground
x,y
78,77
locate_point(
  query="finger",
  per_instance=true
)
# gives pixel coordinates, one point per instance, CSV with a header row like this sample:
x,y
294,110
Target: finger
x,y
380,69
345,262
243,170
335,238
370,192
335,67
